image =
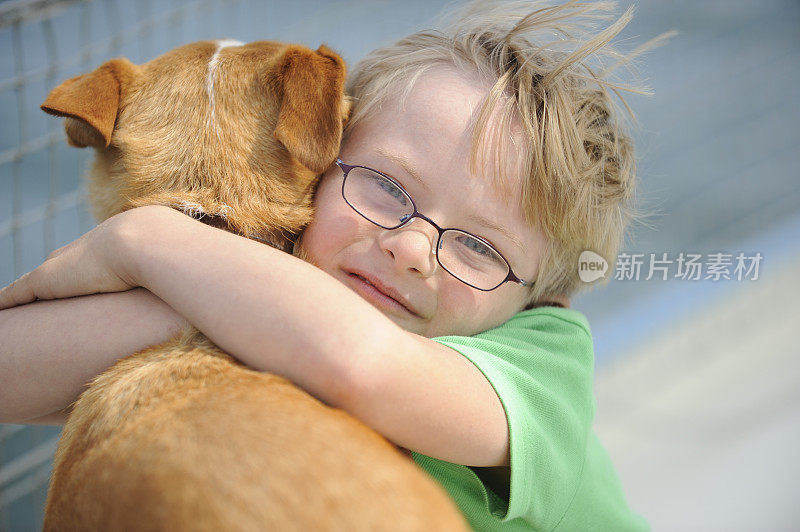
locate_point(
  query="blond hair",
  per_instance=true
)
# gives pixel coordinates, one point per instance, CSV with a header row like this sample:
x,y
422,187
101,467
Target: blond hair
x,y
546,66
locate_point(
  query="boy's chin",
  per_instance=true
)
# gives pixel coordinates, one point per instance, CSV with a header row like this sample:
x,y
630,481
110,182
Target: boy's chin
x,y
409,324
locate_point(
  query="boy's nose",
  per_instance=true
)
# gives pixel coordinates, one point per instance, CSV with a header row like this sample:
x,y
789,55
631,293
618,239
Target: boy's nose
x,y
412,247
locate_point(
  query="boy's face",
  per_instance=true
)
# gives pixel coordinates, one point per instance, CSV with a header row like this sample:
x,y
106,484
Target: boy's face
x,y
430,137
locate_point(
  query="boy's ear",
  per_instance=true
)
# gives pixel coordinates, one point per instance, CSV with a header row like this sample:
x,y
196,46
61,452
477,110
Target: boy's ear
x,y
90,102
313,108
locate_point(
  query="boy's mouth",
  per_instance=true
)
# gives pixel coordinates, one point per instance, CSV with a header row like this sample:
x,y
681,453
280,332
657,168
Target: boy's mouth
x,y
375,290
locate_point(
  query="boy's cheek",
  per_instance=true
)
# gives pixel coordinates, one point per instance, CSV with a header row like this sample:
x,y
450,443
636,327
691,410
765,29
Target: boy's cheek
x,y
326,237
487,310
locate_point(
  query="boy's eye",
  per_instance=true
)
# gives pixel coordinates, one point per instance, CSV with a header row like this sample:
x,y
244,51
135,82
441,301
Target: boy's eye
x,y
475,245
391,189
477,249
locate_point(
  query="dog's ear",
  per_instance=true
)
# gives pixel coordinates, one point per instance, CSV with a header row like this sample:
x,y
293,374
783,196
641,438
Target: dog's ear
x,y
313,108
90,102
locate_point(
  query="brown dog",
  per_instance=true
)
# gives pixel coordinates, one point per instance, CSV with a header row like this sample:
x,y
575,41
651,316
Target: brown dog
x,y
180,436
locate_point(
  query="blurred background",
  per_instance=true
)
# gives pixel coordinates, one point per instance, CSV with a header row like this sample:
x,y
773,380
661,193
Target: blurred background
x,y
698,380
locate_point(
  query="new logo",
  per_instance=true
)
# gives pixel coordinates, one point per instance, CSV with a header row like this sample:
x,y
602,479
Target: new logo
x,y
591,266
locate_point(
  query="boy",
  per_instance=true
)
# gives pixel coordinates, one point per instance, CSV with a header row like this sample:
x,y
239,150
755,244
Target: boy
x,y
475,169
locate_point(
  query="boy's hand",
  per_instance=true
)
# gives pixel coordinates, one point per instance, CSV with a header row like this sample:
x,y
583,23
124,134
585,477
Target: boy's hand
x,y
89,265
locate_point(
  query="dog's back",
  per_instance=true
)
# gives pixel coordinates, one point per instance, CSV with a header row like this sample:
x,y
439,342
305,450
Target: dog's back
x,y
180,436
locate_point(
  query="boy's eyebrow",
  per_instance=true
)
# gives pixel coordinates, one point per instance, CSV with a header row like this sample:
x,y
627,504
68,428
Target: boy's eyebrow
x,y
405,164
489,224
476,218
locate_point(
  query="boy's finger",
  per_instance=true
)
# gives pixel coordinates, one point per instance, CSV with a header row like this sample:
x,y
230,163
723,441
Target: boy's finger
x,y
17,293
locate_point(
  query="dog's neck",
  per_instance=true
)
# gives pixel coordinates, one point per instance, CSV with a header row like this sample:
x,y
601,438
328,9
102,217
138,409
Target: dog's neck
x,y
221,222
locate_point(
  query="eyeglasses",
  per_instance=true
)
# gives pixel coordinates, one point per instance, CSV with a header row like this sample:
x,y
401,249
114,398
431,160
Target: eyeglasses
x,y
467,257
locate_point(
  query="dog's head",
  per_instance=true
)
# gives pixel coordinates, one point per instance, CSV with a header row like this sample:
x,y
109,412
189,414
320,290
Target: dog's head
x,y
232,133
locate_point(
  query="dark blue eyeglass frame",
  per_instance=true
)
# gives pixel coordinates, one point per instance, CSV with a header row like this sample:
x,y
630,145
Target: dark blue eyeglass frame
x,y
511,277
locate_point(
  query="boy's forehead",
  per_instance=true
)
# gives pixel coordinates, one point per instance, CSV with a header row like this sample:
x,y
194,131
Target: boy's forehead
x,y
446,103
444,93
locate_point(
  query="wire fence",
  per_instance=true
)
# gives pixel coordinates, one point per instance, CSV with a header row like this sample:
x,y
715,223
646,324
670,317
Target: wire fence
x,y
49,41
42,202
42,205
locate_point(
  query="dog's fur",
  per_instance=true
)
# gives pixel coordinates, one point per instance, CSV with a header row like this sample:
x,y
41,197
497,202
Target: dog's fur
x,y
181,436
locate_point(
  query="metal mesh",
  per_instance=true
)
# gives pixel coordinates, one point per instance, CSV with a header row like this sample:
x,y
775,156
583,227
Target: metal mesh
x,y
41,214
42,207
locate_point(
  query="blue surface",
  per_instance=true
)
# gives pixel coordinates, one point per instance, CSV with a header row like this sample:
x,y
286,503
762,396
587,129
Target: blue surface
x,y
658,309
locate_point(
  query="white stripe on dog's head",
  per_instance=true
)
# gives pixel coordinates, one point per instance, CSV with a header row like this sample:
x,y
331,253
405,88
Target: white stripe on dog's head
x,y
212,72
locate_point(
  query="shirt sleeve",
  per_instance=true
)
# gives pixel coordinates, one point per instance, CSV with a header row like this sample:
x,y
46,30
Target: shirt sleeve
x,y
540,364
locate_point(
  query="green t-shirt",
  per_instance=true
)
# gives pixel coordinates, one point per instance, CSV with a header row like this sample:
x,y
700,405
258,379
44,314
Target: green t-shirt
x,y
541,365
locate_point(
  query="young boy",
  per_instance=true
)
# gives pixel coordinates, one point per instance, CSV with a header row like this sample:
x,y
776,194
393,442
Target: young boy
x,y
475,169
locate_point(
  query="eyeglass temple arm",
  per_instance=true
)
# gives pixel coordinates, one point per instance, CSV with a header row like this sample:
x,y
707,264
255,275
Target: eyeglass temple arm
x,y
345,167
513,278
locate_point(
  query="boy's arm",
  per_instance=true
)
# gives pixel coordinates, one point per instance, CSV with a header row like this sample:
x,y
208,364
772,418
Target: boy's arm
x,y
279,314
49,350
